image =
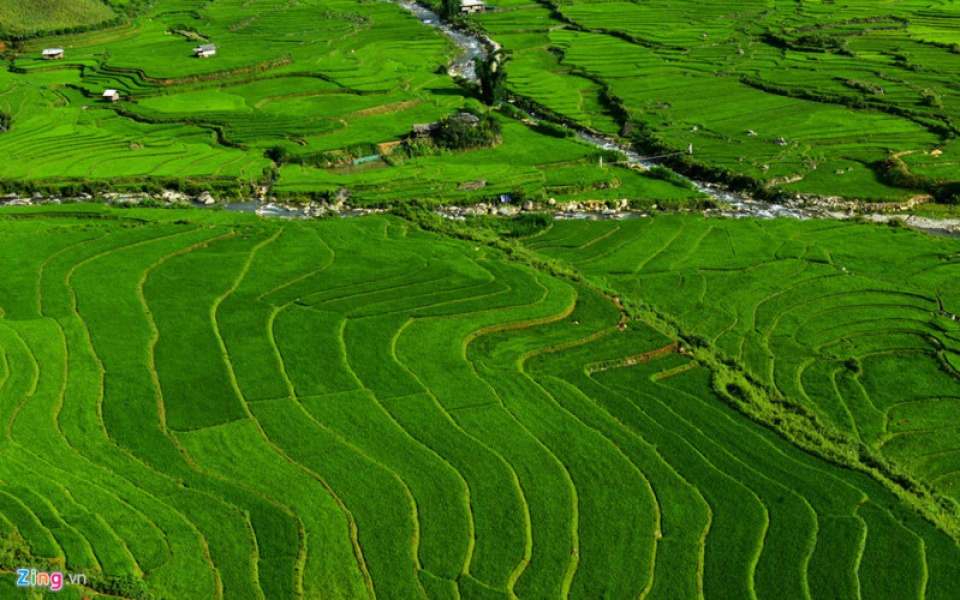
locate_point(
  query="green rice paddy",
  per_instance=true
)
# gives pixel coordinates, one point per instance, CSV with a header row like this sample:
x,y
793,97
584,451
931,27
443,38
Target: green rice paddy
x,y
780,93
324,81
856,323
200,405
812,98
210,405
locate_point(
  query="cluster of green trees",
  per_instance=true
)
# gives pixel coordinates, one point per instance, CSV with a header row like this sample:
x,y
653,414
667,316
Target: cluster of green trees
x,y
450,9
455,133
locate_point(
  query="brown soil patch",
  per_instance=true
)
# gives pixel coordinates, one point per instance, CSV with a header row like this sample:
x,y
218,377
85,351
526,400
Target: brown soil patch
x,y
383,109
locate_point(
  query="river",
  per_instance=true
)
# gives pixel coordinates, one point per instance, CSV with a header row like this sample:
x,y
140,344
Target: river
x,y
472,46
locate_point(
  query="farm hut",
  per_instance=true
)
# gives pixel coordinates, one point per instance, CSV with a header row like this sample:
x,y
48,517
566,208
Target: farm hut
x,y
472,6
423,130
52,54
205,51
472,120
111,95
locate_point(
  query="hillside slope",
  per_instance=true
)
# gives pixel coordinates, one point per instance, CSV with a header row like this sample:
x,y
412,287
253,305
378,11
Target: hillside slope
x,y
19,17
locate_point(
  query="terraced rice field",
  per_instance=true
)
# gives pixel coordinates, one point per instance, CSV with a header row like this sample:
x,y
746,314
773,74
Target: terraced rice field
x,y
811,96
202,405
857,323
324,82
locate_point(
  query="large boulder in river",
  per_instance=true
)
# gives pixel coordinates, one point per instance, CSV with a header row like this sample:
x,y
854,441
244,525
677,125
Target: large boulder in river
x,y
206,198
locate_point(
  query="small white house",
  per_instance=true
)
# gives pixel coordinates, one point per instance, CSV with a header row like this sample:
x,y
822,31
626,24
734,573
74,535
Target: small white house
x,y
472,6
52,54
205,51
111,95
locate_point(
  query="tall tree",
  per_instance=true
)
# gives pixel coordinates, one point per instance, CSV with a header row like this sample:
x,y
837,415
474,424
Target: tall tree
x,y
449,8
492,75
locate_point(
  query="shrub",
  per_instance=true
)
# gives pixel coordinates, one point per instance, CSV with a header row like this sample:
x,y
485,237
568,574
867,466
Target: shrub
x,y
658,172
512,111
551,129
125,586
278,154
416,148
526,224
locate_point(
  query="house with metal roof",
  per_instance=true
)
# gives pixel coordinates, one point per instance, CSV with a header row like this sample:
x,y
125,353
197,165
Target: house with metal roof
x,y
205,50
472,6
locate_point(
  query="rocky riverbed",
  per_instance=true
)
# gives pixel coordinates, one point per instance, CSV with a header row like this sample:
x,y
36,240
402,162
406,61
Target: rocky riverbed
x,y
206,200
732,205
